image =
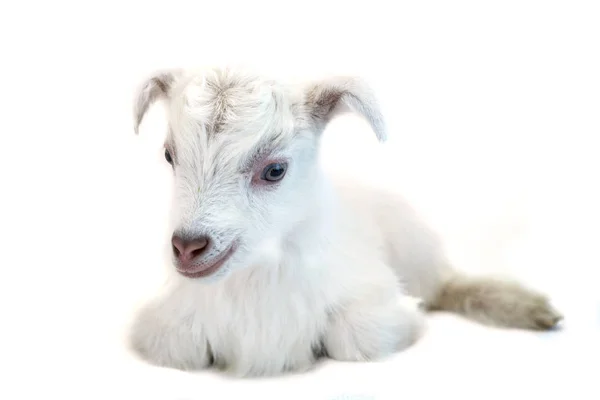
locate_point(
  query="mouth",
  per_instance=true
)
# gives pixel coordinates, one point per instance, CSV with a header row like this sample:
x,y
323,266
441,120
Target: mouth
x,y
203,270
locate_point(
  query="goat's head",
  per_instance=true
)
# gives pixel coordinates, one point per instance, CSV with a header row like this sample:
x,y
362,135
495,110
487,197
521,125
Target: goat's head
x,y
244,154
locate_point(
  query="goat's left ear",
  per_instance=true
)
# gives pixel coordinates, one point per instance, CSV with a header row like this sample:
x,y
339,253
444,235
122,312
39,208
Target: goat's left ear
x,y
325,99
155,87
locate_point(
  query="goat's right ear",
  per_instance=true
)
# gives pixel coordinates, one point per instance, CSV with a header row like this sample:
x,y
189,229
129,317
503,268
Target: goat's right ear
x,y
325,99
155,87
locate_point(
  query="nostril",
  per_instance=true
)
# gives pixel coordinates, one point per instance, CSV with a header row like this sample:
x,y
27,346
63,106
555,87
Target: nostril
x,y
176,251
197,247
178,245
195,253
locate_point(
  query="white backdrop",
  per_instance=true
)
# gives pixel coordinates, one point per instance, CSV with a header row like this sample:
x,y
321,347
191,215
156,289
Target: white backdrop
x,y
494,116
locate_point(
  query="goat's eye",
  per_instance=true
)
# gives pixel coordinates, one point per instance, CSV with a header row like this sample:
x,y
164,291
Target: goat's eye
x,y
168,157
274,172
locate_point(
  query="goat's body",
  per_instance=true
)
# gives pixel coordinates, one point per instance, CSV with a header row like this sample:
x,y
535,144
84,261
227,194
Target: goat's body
x,y
408,246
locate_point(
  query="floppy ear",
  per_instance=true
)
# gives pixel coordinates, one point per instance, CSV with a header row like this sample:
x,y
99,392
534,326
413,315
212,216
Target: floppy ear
x,y
158,86
325,99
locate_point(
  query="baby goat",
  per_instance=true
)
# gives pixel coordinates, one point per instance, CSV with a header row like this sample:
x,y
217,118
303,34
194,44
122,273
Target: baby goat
x,y
275,261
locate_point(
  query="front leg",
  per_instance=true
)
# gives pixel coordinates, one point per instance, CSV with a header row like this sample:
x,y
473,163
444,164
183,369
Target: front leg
x,y
372,327
167,336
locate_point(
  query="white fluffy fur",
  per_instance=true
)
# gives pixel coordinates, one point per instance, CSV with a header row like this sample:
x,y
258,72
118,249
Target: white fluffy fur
x,y
323,264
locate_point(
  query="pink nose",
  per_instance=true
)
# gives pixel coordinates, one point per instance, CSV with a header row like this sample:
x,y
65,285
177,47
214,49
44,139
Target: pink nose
x,y
187,250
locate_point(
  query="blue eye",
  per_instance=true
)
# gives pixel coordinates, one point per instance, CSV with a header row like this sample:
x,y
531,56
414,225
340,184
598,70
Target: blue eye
x,y
274,172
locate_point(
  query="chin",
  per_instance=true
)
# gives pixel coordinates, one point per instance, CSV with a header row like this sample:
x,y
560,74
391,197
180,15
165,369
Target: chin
x,y
216,276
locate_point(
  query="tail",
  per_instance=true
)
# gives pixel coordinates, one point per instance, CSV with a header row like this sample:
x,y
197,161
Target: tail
x,y
496,302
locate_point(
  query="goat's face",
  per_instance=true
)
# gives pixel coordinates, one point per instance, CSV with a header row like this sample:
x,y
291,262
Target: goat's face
x,y
244,154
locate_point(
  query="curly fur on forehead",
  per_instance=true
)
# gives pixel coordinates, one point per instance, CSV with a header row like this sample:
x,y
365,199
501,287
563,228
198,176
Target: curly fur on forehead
x,y
230,102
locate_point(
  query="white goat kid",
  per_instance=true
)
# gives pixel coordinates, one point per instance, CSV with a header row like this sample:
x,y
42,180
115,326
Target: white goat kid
x,y
276,261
